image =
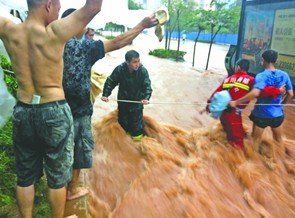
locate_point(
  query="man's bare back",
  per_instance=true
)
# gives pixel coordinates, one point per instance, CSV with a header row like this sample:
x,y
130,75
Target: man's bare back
x,y
37,60
36,50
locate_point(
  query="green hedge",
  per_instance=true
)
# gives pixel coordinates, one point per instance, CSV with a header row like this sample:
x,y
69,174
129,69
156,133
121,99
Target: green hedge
x,y
169,54
7,170
7,163
8,77
110,37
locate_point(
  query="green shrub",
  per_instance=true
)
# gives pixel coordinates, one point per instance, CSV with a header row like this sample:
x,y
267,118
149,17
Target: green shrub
x,y
9,78
170,54
204,41
110,37
7,170
11,83
5,63
133,5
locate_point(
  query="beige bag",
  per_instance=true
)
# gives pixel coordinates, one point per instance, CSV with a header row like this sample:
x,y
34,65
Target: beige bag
x,y
162,16
97,83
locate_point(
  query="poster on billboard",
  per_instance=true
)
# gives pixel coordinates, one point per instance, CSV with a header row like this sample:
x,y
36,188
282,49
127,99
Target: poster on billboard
x,y
284,32
258,31
283,39
257,36
286,63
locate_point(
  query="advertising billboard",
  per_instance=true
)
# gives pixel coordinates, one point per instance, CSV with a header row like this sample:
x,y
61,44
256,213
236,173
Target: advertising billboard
x,y
269,25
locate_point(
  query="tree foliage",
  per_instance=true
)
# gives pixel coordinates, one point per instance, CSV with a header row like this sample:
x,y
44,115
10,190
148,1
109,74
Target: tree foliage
x,y
180,12
114,27
217,19
132,5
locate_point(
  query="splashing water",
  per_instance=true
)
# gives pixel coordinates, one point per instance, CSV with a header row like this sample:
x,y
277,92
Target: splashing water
x,y
177,173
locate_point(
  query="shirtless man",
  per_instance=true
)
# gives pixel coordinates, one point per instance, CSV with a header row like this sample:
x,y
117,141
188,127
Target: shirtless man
x,y
43,124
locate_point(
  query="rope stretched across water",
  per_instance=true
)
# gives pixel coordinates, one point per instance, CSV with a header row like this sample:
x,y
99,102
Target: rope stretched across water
x,y
192,103
179,103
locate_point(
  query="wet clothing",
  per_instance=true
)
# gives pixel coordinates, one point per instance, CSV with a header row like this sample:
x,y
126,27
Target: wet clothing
x,y
83,143
131,119
43,138
270,92
232,124
276,78
238,85
135,86
79,57
265,122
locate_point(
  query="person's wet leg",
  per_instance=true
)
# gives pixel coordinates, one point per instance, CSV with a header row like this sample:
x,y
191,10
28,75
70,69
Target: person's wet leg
x,y
123,117
237,131
25,200
277,134
136,124
82,149
257,137
57,199
73,190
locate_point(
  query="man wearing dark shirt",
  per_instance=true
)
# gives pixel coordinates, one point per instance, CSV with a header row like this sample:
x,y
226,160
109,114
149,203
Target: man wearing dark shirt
x,y
79,56
134,85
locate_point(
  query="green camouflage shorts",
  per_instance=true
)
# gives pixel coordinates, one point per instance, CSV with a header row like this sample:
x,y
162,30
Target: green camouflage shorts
x,y
43,138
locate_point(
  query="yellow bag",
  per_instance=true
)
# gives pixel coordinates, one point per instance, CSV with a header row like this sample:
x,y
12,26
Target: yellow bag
x,y
97,83
162,16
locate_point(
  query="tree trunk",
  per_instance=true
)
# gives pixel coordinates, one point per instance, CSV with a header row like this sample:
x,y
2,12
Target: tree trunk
x,y
169,41
211,42
209,53
166,29
178,30
166,39
196,40
170,36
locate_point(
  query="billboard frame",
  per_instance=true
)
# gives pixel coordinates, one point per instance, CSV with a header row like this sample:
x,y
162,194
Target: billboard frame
x,y
246,3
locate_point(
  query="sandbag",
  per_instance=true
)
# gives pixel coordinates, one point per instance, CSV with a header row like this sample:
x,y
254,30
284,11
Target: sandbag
x,y
162,16
97,83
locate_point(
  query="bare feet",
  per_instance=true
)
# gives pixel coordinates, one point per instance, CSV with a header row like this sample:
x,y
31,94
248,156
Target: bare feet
x,y
77,193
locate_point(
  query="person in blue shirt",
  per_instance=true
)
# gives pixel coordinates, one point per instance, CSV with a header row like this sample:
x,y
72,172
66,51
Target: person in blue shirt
x,y
268,111
80,55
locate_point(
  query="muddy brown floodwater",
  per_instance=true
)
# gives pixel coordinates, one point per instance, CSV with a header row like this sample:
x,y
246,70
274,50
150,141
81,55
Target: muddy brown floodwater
x,y
184,167
177,173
